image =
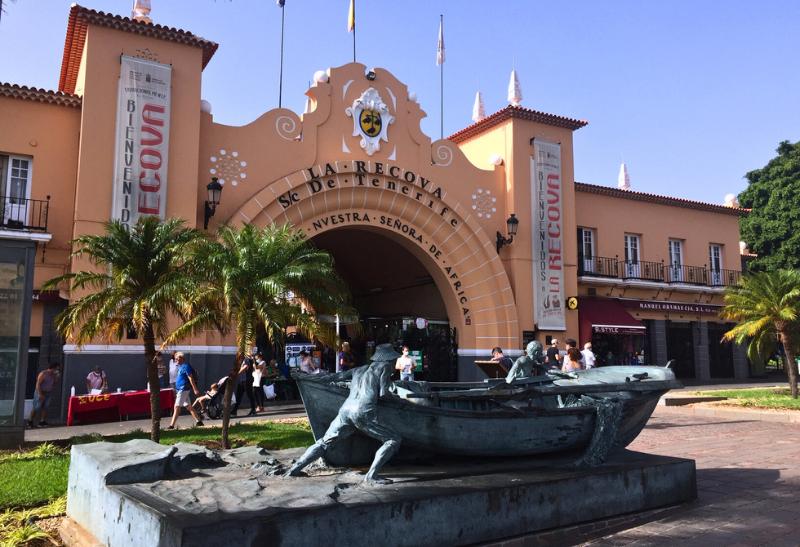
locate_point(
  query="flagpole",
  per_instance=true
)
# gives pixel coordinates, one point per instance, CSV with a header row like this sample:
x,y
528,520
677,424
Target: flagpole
x,y
280,83
354,31
441,84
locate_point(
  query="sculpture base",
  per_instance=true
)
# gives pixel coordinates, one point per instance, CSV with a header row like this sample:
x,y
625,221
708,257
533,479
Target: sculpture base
x,y
141,493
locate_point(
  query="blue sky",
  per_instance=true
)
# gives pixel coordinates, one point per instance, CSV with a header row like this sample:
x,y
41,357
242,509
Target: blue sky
x,y
692,94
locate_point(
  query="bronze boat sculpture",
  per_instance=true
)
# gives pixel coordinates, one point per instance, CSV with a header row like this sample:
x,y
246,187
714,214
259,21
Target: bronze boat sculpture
x,y
586,413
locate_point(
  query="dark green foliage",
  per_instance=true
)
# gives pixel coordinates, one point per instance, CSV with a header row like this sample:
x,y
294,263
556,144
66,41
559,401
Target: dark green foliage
x,y
772,229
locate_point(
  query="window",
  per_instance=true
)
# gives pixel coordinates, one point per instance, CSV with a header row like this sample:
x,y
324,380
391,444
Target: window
x,y
675,260
586,250
715,263
15,187
632,266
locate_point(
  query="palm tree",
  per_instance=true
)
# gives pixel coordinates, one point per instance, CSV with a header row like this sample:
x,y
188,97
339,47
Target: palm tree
x,y
139,284
268,277
764,305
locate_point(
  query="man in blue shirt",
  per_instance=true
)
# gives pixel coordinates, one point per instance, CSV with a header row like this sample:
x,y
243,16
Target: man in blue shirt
x,y
183,383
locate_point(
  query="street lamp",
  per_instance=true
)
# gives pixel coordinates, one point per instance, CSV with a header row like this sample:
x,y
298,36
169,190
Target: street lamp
x,y
511,224
214,189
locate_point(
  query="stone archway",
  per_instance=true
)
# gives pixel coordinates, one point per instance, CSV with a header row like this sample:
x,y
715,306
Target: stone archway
x,y
460,256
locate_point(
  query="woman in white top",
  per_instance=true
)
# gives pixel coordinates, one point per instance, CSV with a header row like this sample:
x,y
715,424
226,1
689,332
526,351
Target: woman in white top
x,y
405,364
173,370
258,372
572,360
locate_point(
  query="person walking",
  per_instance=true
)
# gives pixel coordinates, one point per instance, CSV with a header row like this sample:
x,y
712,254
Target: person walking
x,y
185,381
258,378
552,357
45,382
345,360
589,358
173,370
405,364
244,386
572,360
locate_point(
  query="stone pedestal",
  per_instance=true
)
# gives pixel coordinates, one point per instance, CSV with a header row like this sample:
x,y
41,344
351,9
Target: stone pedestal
x,y
147,494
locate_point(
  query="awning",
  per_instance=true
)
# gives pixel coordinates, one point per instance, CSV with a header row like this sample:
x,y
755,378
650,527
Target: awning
x,y
607,316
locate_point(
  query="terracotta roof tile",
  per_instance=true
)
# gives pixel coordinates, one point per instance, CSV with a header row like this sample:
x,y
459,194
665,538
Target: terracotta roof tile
x,y
26,93
80,18
656,198
516,112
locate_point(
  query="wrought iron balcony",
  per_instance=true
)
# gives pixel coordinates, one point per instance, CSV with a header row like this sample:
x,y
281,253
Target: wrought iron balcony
x,y
598,266
23,214
691,275
643,270
723,278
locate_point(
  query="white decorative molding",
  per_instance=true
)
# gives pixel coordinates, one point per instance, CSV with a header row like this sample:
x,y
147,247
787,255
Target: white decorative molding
x,y
25,235
345,148
228,167
484,203
371,120
139,349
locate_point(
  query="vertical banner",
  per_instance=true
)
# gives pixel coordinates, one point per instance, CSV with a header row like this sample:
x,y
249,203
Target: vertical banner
x,y
548,241
142,140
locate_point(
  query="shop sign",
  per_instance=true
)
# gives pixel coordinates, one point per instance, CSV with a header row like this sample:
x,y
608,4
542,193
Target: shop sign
x,y
416,355
548,227
610,329
141,141
676,307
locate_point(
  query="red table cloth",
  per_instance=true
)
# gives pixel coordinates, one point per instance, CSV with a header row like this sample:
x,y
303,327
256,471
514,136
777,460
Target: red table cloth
x,y
112,406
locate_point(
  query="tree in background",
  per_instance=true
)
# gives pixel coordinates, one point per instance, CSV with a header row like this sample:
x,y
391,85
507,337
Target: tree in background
x,y
766,305
140,281
269,277
772,229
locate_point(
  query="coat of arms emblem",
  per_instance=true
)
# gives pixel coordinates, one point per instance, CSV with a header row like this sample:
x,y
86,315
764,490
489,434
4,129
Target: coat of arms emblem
x,y
371,120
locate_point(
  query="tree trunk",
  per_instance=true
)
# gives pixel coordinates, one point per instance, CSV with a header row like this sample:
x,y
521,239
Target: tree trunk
x,y
230,385
791,364
152,380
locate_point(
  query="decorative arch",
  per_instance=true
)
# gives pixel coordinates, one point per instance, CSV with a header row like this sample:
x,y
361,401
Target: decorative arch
x,y
409,208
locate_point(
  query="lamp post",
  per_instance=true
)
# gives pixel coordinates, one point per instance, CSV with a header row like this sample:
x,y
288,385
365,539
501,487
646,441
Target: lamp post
x,y
511,225
214,189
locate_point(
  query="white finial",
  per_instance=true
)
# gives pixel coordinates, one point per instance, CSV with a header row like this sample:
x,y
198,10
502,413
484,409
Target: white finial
x,y
141,11
205,106
623,180
731,201
514,90
743,250
478,111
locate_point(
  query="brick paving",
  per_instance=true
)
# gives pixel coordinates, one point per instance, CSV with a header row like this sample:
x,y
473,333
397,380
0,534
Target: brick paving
x,y
748,482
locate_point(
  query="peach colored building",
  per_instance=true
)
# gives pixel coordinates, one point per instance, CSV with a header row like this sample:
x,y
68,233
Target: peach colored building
x,y
418,226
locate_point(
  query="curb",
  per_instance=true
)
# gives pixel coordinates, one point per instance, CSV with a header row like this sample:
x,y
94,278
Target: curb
x,y
786,416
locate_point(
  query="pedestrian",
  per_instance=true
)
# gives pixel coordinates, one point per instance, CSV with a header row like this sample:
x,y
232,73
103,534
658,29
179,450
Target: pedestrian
x,y
572,360
173,370
498,357
45,382
97,380
572,343
184,382
258,378
552,357
405,364
244,385
589,358
345,360
163,373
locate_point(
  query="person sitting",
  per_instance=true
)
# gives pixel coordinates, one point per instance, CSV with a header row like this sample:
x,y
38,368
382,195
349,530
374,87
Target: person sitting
x,y
96,380
572,360
200,402
498,357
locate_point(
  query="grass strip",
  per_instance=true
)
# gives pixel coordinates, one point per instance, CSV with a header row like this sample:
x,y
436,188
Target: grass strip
x,y
774,398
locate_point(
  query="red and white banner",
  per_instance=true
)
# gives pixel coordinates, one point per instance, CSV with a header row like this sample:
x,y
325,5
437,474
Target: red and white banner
x,y
548,241
142,140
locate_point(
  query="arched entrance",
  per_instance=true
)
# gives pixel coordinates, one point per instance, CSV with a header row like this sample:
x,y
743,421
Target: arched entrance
x,y
405,207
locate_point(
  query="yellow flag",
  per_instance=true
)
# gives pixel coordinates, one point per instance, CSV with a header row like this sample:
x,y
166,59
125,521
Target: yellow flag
x,y
351,16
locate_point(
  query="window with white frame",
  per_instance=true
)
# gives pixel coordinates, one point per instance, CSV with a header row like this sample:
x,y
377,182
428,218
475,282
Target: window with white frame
x,y
586,241
632,247
676,260
715,263
15,187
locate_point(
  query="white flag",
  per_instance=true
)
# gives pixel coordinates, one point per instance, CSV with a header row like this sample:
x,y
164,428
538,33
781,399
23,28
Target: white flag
x,y
440,44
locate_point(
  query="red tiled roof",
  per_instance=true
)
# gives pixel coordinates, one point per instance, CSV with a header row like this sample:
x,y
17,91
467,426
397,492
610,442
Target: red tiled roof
x,y
655,198
80,18
26,93
517,112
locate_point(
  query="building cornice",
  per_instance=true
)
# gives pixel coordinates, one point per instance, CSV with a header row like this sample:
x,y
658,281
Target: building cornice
x,y
25,93
656,198
79,20
518,113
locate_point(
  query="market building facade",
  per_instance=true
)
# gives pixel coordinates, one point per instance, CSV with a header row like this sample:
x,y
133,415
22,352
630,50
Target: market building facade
x,y
419,228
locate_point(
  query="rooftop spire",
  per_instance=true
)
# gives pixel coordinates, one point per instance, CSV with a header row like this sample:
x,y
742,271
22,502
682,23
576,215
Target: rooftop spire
x,y
141,11
514,91
478,111
623,180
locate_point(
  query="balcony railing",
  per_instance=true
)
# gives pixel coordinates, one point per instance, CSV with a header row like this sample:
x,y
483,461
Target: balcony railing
x,y
657,272
23,214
